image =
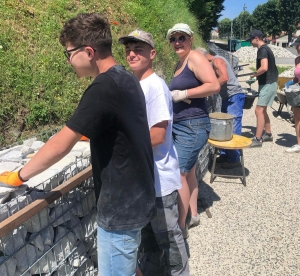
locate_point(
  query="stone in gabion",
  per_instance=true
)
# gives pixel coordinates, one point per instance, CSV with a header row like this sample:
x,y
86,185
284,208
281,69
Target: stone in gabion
x,y
37,241
9,267
85,202
37,145
19,191
89,223
29,142
63,270
37,222
26,257
3,212
86,269
64,242
13,240
46,264
18,203
78,256
75,226
60,213
4,197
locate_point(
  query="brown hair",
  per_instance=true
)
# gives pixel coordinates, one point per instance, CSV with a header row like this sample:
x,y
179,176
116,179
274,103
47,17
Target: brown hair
x,y
91,29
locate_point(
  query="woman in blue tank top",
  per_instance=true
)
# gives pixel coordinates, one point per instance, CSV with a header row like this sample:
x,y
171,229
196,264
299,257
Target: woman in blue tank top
x,y
193,80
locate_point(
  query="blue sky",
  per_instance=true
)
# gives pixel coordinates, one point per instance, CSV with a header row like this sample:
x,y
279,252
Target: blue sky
x,y
234,7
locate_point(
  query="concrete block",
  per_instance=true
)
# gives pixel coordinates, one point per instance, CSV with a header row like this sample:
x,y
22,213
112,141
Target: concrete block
x,y
13,240
9,267
38,221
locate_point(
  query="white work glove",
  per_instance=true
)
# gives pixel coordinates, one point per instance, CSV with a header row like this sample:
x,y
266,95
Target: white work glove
x,y
179,95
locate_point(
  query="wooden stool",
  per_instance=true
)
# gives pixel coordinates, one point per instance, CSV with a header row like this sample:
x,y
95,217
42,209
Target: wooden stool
x,y
237,142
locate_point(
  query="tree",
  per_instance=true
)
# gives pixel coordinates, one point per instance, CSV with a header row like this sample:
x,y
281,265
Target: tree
x,y
207,13
266,19
289,15
224,27
241,24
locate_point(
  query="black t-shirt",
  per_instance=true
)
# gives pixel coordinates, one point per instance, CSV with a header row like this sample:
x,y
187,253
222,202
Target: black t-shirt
x,y
112,113
272,74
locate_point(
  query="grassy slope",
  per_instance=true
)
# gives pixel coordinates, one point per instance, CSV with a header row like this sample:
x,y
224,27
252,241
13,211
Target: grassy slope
x,y
37,88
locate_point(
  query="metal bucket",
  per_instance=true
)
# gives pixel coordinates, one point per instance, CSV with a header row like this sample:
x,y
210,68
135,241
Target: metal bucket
x,y
221,126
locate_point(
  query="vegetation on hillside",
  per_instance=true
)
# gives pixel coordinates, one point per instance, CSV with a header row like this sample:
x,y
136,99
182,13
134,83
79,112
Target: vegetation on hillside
x,y
37,87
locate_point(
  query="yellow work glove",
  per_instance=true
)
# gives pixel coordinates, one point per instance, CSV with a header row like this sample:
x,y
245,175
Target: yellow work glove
x,y
11,178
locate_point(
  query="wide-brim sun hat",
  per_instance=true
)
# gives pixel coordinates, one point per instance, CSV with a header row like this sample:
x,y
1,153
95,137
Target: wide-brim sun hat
x,y
180,28
296,42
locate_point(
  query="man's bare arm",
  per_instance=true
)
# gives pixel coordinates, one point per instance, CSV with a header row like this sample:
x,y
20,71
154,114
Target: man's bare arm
x,y
220,68
158,133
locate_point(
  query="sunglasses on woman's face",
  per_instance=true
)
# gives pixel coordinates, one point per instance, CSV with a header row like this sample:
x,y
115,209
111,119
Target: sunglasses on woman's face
x,y
180,39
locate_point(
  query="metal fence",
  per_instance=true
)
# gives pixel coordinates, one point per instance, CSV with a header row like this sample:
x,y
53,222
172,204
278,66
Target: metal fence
x,y
233,60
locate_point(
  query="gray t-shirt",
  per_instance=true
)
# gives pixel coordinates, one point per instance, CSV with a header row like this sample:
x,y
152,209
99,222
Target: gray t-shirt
x,y
232,86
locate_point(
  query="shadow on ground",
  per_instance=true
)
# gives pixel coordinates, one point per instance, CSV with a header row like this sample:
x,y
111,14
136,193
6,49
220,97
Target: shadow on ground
x,y
286,140
206,196
248,131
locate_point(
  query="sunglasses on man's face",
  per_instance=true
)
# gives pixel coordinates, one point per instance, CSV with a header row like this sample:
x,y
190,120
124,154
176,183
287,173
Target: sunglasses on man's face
x,y
67,52
180,39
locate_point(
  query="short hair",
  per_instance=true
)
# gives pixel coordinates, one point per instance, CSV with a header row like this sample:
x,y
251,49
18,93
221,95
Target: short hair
x,y
91,29
202,50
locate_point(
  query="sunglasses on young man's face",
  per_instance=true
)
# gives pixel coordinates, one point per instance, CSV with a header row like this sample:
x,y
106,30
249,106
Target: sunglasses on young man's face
x,y
180,39
67,52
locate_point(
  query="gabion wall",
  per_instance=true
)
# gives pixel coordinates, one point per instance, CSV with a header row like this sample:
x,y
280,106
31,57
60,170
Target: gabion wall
x,y
59,240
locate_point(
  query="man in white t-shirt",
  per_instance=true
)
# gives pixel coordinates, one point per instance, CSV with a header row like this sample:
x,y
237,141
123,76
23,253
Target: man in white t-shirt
x,y
162,241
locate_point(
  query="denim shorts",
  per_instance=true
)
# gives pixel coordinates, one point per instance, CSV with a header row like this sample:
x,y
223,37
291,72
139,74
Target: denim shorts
x,y
189,136
117,252
267,93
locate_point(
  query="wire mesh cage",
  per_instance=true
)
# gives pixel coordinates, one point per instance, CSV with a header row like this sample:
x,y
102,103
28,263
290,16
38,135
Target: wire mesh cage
x,y
50,228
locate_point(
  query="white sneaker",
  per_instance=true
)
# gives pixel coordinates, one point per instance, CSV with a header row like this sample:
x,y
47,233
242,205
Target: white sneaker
x,y
294,148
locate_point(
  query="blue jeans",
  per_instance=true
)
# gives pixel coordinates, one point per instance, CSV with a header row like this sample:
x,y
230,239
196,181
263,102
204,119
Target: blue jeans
x,y
189,137
117,252
234,106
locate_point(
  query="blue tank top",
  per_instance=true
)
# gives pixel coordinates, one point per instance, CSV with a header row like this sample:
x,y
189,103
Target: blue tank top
x,y
181,110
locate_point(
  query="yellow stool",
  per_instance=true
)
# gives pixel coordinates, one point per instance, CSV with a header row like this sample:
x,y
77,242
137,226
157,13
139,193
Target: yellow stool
x,y
237,142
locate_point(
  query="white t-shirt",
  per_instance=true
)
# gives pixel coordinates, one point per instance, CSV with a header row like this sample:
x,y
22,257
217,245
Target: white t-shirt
x,y
159,108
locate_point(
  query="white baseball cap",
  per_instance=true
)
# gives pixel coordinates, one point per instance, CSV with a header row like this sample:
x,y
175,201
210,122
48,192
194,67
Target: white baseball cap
x,y
180,28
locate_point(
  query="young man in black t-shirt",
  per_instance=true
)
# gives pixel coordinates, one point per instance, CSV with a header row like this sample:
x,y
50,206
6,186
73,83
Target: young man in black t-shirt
x,y
267,75
112,114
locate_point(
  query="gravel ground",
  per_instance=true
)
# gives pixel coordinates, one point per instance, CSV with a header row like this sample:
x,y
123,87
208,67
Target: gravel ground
x,y
254,230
